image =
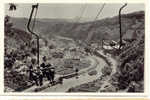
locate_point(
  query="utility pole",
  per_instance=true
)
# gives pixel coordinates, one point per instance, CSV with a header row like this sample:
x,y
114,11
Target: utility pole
x,y
31,31
120,24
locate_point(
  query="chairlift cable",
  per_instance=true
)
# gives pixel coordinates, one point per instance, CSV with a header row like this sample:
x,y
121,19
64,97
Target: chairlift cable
x,y
91,26
82,12
78,18
100,11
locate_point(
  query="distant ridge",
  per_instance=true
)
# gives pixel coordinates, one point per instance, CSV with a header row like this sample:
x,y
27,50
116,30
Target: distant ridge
x,y
105,28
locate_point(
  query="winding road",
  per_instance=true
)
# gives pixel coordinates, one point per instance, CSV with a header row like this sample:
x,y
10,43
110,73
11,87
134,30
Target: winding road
x,y
96,64
84,77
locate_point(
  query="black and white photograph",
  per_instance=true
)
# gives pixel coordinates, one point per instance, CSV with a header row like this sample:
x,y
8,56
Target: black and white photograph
x,y
74,48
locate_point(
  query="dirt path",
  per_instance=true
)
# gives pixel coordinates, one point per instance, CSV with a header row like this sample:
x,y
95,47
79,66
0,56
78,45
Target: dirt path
x,y
114,65
100,83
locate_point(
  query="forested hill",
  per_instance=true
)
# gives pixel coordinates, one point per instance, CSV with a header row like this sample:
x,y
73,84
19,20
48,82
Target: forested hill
x,y
107,28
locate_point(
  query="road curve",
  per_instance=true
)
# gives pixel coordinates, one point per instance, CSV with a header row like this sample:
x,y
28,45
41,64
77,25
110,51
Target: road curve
x,y
83,78
96,63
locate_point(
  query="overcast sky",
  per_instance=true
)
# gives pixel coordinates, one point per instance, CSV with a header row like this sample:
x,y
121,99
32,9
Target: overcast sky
x,y
72,11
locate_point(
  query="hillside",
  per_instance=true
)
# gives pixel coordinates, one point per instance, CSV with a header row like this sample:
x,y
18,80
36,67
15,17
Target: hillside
x,y
20,51
107,28
129,75
42,25
17,50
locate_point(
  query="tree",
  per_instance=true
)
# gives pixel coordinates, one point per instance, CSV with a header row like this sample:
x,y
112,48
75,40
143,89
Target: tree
x,y
7,24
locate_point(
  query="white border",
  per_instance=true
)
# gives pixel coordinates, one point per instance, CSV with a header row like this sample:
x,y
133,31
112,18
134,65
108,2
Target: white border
x,y
145,94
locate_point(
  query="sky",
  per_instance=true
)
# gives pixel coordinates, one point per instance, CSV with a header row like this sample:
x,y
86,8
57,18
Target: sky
x,y
72,11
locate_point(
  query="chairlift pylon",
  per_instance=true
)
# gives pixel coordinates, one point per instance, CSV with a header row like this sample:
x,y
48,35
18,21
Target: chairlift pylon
x,y
31,31
120,27
121,24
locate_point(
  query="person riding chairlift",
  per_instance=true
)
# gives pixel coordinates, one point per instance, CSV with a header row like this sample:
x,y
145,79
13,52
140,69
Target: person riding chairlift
x,y
45,67
33,76
52,74
31,70
39,76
